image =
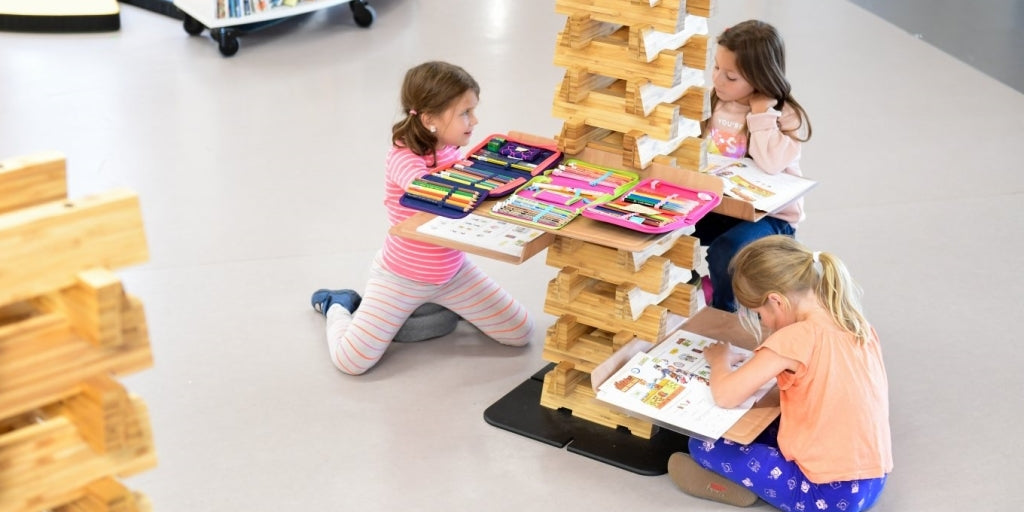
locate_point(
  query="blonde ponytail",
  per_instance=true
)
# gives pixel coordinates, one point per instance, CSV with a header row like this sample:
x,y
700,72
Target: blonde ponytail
x,y
780,264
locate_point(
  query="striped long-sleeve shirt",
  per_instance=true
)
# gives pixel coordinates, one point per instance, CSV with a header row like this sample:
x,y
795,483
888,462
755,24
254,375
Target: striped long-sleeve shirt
x,y
419,261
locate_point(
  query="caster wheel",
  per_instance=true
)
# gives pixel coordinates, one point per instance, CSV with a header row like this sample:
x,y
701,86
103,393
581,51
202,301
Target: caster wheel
x,y
216,34
228,44
192,26
362,13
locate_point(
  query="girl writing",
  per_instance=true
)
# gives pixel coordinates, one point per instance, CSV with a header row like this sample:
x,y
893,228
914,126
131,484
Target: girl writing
x,y
831,448
439,102
753,114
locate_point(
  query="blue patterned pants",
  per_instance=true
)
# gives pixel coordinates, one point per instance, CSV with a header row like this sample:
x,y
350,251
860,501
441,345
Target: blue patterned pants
x,y
761,468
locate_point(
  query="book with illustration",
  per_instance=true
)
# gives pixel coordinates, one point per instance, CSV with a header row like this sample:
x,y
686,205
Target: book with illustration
x,y
669,386
744,180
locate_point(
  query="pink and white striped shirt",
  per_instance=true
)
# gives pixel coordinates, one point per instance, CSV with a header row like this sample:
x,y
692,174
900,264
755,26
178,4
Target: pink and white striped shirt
x,y
419,261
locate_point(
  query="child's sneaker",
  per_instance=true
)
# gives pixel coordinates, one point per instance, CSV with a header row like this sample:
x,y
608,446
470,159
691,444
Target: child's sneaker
x,y
323,299
704,483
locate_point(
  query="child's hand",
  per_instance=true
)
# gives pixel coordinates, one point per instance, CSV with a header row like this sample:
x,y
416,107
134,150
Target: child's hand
x,y
760,103
722,351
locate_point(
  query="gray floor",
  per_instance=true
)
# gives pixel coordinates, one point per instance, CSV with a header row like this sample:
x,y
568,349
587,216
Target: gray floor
x,y
260,179
986,34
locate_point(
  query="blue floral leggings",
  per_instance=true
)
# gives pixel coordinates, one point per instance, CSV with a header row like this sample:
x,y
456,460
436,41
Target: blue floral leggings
x,y
761,468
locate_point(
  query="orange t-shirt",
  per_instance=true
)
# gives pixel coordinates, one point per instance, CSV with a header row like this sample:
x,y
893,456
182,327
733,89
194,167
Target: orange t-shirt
x,y
835,408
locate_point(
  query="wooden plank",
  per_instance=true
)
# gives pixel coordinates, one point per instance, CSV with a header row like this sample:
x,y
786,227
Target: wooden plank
x,y
692,41
45,247
49,464
665,16
581,29
93,305
657,275
568,388
32,180
103,495
606,108
595,303
611,56
42,359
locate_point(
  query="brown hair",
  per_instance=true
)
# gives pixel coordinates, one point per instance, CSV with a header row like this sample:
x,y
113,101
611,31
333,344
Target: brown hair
x,y
761,59
780,264
428,88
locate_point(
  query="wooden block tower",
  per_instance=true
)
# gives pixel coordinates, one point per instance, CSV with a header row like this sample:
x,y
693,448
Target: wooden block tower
x,y
634,81
634,88
68,429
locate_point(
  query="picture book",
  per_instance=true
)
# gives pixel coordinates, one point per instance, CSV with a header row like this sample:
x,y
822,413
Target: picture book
x,y
669,385
480,231
744,180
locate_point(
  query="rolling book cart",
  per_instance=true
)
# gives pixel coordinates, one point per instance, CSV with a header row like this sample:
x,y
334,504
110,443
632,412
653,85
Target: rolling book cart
x,y
228,19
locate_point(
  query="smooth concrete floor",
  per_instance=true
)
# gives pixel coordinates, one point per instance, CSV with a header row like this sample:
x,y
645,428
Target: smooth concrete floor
x,y
261,179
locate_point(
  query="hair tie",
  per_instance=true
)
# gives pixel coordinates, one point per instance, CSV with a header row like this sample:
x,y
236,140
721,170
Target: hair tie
x,y
815,256
412,111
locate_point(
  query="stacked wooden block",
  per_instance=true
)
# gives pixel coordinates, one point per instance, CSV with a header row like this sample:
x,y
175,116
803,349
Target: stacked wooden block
x,y
68,429
604,297
634,81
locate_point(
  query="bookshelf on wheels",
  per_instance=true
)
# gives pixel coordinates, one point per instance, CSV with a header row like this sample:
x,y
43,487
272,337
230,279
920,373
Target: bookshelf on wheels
x,y
228,19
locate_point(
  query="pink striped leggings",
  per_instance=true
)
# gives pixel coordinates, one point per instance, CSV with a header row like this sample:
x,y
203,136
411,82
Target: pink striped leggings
x,y
357,341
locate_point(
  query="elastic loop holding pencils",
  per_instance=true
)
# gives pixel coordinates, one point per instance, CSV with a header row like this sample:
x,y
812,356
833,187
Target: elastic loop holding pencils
x,y
542,213
602,178
663,201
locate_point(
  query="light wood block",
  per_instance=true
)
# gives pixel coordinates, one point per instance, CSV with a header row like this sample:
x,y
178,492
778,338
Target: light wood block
x,y
104,495
665,16
43,360
654,274
606,108
692,155
611,56
581,344
604,306
32,180
49,464
692,40
643,97
578,82
93,305
581,29
567,388
45,247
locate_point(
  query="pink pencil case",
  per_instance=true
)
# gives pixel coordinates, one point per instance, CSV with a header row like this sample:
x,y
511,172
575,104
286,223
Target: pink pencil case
x,y
560,195
655,206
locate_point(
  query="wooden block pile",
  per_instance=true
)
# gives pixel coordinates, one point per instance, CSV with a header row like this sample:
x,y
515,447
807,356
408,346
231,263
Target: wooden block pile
x,y
634,81
604,298
68,429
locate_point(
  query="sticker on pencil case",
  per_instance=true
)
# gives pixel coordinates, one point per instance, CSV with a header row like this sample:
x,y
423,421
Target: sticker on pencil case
x,y
655,206
513,160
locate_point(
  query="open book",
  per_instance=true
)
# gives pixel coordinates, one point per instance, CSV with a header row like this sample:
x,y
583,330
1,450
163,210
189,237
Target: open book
x,y
480,231
744,180
669,386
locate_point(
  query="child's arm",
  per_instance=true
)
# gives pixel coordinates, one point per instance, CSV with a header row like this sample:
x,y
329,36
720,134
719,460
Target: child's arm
x,y
730,387
772,145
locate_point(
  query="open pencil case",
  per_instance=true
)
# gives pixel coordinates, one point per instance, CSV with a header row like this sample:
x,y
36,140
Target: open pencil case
x,y
559,195
502,164
435,194
655,206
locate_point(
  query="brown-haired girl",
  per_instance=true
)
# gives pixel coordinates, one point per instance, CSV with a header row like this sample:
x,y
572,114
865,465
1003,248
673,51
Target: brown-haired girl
x,y
753,115
439,112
